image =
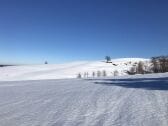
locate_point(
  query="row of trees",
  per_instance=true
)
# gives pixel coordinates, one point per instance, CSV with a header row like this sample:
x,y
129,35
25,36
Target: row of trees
x,y
139,69
96,74
158,65
93,74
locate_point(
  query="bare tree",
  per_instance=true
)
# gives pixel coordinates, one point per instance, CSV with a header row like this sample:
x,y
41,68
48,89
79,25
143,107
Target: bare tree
x,y
93,74
98,73
104,73
87,74
160,64
163,63
140,68
79,75
84,75
132,71
116,73
155,64
166,63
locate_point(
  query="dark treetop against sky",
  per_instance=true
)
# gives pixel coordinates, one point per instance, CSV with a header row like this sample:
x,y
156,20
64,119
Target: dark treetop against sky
x,y
32,31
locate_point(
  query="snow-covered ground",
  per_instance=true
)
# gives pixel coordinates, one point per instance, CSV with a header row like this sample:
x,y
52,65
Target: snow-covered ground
x,y
39,95
140,100
67,70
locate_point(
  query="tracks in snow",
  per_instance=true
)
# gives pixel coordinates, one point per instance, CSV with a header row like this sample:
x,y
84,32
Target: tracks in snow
x,y
80,102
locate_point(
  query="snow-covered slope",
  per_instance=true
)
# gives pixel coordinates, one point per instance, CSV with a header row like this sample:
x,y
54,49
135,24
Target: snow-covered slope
x,y
67,70
80,102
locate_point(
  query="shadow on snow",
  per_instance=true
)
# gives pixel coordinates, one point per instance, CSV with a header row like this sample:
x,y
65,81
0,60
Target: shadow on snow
x,y
142,83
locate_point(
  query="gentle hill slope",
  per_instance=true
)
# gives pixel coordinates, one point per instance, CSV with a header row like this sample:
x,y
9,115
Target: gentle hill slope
x,y
67,70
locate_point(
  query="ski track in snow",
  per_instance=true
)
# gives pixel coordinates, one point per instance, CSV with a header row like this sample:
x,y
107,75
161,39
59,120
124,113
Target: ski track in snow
x,y
75,102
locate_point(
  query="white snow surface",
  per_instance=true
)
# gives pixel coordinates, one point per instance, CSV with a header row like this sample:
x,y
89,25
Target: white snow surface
x,y
140,100
66,70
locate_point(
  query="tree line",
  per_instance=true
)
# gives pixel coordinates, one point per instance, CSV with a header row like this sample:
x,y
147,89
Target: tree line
x,y
93,74
96,74
159,64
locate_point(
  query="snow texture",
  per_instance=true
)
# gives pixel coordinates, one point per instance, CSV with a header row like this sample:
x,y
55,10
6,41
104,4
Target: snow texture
x,y
140,100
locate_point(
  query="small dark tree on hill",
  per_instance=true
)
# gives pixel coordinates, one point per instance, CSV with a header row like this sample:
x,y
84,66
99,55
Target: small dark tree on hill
x,y
45,62
108,59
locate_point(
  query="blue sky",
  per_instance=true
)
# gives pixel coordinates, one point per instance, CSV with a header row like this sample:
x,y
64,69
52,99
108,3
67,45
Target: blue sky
x,y
32,31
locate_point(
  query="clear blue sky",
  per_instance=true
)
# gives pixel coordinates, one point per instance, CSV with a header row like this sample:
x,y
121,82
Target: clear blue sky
x,y
32,31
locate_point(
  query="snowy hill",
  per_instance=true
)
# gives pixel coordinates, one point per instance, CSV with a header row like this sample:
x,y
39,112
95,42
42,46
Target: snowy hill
x,y
138,100
67,70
